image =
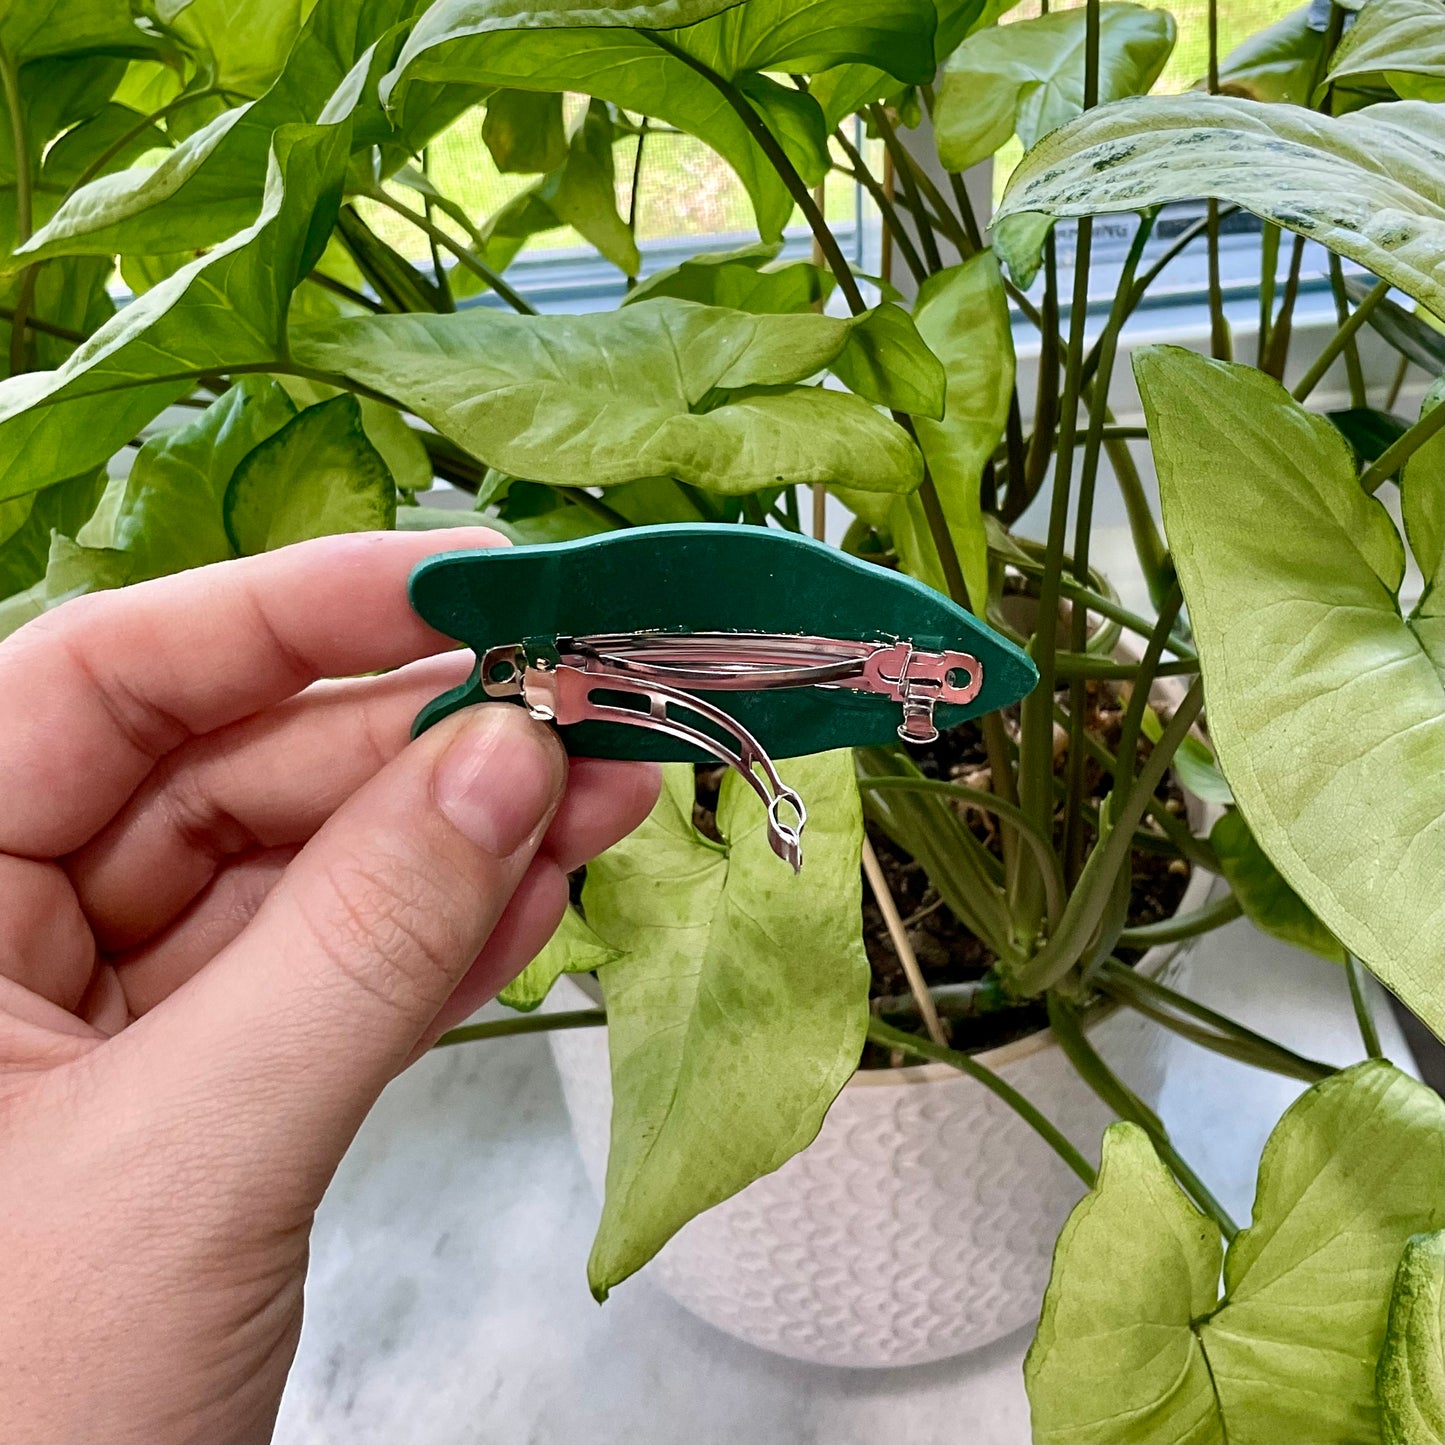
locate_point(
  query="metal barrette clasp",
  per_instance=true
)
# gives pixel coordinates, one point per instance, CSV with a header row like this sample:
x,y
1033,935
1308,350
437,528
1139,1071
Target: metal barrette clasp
x,y
656,667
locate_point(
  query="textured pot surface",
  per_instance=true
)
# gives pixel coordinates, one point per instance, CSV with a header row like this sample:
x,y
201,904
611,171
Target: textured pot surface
x,y
921,1221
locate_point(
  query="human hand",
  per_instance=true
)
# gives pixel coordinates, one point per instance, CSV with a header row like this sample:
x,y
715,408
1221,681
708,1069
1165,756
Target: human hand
x,y
233,905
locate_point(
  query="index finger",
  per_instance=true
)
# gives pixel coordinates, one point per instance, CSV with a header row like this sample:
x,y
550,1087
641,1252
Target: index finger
x,y
92,694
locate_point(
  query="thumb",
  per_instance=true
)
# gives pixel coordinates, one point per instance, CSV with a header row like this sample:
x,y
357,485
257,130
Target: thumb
x,y
320,1001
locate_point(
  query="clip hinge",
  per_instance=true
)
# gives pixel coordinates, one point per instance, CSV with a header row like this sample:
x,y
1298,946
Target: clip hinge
x,y
573,685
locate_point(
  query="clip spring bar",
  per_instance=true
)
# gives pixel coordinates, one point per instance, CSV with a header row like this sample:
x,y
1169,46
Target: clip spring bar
x,y
571,686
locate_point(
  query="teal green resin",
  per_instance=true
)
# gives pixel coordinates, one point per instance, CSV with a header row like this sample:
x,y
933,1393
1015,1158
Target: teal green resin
x,y
709,577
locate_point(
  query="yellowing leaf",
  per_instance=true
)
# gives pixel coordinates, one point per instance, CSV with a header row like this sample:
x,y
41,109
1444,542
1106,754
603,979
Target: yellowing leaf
x,y
737,1006
1327,715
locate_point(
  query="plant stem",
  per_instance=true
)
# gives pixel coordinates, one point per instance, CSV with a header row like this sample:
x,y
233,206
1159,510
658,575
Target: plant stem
x,y
1046,402
1139,693
467,258
1281,328
1086,664
340,288
1364,1016
1180,243
1172,831
1118,1096
1036,724
587,1018
889,1037
904,169
1354,371
957,864
1401,371
989,803
1085,909
1014,446
1402,449
636,183
136,131
1268,268
1219,346
1214,914
941,213
46,328
964,205
438,271
792,181
886,209
1113,973
1342,340
1233,1040
1083,530
901,945
1095,601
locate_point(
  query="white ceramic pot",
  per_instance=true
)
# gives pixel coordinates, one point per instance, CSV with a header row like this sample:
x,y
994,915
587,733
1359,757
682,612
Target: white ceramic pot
x,y
920,1222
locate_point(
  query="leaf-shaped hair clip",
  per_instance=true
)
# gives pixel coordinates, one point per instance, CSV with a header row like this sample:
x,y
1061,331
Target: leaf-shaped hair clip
x,y
733,643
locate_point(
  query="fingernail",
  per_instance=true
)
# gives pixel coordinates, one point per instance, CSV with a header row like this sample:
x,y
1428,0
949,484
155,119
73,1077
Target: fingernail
x,y
498,779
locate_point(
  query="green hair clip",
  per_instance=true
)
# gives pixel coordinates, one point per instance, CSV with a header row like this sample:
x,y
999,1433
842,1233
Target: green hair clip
x,y
732,643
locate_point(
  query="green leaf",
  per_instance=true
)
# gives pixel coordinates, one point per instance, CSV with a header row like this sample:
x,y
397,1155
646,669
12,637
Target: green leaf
x,y
847,88
435,519
1369,185
795,119
226,309
842,89
962,313
1327,715
245,44
211,185
1278,63
1131,1346
582,194
605,398
451,19
317,476
400,445
1398,41
1027,79
1422,502
809,35
886,361
621,66
1115,1359
169,515
30,29
1410,1379
67,159
935,836
574,948
1348,1175
1268,901
1193,764
69,293
484,42
1369,432
1407,331
524,132
737,1008
27,522
742,280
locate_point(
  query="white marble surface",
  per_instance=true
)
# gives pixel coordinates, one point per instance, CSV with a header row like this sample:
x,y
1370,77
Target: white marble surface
x,y
447,1300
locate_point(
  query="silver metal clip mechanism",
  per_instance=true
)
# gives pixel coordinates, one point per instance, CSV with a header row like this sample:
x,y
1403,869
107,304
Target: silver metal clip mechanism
x,y
573,685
